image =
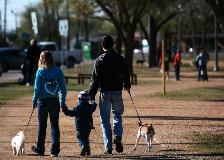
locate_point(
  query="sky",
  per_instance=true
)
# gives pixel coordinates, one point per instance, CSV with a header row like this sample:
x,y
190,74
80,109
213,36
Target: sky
x,y
14,6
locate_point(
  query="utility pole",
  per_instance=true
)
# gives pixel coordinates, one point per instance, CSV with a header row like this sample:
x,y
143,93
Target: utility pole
x,y
216,67
68,18
163,65
16,24
5,21
0,22
179,27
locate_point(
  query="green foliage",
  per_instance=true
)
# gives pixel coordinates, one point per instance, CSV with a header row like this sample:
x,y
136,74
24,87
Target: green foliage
x,y
11,91
197,94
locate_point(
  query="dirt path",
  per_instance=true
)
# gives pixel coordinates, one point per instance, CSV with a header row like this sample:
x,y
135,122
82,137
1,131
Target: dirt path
x,y
174,120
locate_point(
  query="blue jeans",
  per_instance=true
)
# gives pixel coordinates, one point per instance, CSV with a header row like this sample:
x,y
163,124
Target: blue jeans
x,y
111,101
48,106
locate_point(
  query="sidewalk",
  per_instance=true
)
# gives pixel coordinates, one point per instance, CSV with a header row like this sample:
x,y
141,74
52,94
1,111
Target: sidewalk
x,y
174,122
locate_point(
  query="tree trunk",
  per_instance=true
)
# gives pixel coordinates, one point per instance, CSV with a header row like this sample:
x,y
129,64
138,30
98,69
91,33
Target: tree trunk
x,y
217,7
118,44
203,34
193,29
152,44
77,33
48,20
86,30
129,57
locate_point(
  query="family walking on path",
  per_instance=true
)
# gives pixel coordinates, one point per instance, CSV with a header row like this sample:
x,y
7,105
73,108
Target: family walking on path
x,y
110,76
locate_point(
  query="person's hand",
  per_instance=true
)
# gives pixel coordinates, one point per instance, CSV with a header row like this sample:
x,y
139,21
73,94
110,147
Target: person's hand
x,y
64,109
34,105
92,98
70,113
127,89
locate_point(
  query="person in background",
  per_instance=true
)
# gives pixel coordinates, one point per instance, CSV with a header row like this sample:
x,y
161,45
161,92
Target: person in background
x,y
32,58
49,95
83,120
177,63
111,76
201,61
166,64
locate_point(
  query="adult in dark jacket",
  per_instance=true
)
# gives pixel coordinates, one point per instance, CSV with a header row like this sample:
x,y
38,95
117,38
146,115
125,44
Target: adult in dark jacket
x,y
32,58
110,75
83,120
201,61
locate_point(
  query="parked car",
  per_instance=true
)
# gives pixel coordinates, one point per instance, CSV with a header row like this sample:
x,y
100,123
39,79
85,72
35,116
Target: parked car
x,y
62,57
11,58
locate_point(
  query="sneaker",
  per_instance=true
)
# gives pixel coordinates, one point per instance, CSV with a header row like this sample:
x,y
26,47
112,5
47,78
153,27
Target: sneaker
x,y
88,151
109,151
83,151
37,151
119,146
54,155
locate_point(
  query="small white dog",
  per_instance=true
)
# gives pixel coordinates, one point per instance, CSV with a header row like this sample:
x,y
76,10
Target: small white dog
x,y
18,144
146,131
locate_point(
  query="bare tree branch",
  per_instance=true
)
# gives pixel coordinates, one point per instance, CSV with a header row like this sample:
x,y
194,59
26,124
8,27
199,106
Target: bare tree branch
x,y
169,17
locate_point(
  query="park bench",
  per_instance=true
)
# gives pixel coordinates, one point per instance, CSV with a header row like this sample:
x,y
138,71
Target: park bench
x,y
140,61
82,76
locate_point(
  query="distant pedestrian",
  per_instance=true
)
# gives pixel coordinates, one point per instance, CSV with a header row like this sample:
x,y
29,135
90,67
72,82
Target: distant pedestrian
x,y
49,95
32,58
166,66
110,75
83,120
177,63
202,60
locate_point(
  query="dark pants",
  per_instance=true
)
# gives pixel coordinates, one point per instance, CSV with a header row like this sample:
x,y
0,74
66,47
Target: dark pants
x,y
177,72
49,106
31,74
202,69
83,138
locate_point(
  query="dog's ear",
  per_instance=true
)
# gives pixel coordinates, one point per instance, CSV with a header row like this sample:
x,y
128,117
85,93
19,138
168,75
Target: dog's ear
x,y
150,124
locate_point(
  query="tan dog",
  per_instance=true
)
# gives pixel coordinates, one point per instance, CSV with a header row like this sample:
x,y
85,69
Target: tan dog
x,y
146,131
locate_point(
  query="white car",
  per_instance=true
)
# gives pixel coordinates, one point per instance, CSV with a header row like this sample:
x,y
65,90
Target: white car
x,y
62,57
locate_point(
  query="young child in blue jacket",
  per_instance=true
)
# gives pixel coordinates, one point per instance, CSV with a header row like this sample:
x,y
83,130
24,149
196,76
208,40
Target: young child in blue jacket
x,y
49,95
83,120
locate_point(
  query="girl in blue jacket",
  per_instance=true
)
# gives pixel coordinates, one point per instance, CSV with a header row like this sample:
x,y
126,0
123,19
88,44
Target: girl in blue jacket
x,y
49,94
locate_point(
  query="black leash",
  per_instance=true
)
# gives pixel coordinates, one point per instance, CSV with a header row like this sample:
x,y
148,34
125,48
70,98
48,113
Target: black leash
x,y
29,120
139,119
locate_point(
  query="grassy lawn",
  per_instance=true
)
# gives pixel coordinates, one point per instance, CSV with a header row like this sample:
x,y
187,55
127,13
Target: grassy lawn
x,y
12,90
73,86
208,143
197,94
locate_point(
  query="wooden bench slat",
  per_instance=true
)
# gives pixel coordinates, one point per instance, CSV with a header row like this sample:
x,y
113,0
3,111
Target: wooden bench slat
x,y
81,78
